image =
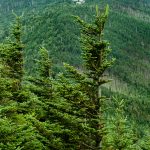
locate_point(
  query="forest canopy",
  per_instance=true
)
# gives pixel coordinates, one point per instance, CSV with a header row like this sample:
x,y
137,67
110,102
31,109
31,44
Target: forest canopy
x,y
69,108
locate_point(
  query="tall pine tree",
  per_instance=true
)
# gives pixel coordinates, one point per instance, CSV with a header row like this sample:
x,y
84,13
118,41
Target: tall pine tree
x,y
120,134
16,131
88,100
13,58
95,54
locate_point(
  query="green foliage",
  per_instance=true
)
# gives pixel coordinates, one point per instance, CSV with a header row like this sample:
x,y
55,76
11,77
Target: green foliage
x,y
95,55
44,63
52,26
17,131
47,113
69,111
119,134
83,91
43,79
12,57
4,82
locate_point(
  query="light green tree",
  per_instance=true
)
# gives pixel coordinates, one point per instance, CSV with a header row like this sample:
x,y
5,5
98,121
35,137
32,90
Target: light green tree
x,y
120,134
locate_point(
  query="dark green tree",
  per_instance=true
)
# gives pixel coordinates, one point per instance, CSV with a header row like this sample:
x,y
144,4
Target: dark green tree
x,y
88,100
96,57
12,55
5,81
44,120
16,103
45,63
41,85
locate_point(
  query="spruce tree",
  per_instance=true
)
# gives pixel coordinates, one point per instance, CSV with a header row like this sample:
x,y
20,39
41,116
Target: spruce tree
x,y
88,100
41,85
5,81
96,57
16,131
44,120
13,57
12,69
120,134
44,77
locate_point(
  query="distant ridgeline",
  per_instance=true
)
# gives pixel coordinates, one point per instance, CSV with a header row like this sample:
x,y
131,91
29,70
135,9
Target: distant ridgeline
x,y
7,5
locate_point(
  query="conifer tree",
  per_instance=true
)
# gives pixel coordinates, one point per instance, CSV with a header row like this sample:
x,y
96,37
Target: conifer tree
x,y
45,76
88,101
44,63
42,86
120,134
24,116
12,70
95,55
5,81
16,131
13,58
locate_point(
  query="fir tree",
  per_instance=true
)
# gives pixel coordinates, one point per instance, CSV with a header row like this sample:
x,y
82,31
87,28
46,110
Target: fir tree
x,y
88,101
95,55
16,131
41,85
44,120
13,58
5,81
120,134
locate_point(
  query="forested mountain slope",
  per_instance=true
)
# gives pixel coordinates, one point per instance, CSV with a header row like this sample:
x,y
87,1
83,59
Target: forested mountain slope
x,y
50,23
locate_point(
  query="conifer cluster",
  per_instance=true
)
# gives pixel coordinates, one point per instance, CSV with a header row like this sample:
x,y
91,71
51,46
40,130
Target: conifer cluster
x,y
66,111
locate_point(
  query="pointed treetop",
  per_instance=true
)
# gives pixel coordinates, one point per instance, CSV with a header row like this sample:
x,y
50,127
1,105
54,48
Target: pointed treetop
x,y
107,10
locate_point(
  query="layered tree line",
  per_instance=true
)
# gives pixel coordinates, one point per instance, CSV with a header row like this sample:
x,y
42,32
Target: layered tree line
x,y
64,111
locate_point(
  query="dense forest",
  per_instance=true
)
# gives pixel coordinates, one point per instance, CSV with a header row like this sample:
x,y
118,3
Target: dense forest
x,y
74,75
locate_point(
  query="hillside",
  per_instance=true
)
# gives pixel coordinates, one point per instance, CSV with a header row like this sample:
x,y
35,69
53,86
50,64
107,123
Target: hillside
x,y
50,23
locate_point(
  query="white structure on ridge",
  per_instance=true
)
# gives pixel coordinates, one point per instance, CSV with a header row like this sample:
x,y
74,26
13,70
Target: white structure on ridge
x,y
79,1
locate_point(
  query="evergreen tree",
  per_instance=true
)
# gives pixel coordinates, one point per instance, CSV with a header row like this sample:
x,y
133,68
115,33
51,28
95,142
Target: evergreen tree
x,y
95,54
44,77
88,101
41,85
44,121
12,69
13,58
120,134
17,105
5,81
